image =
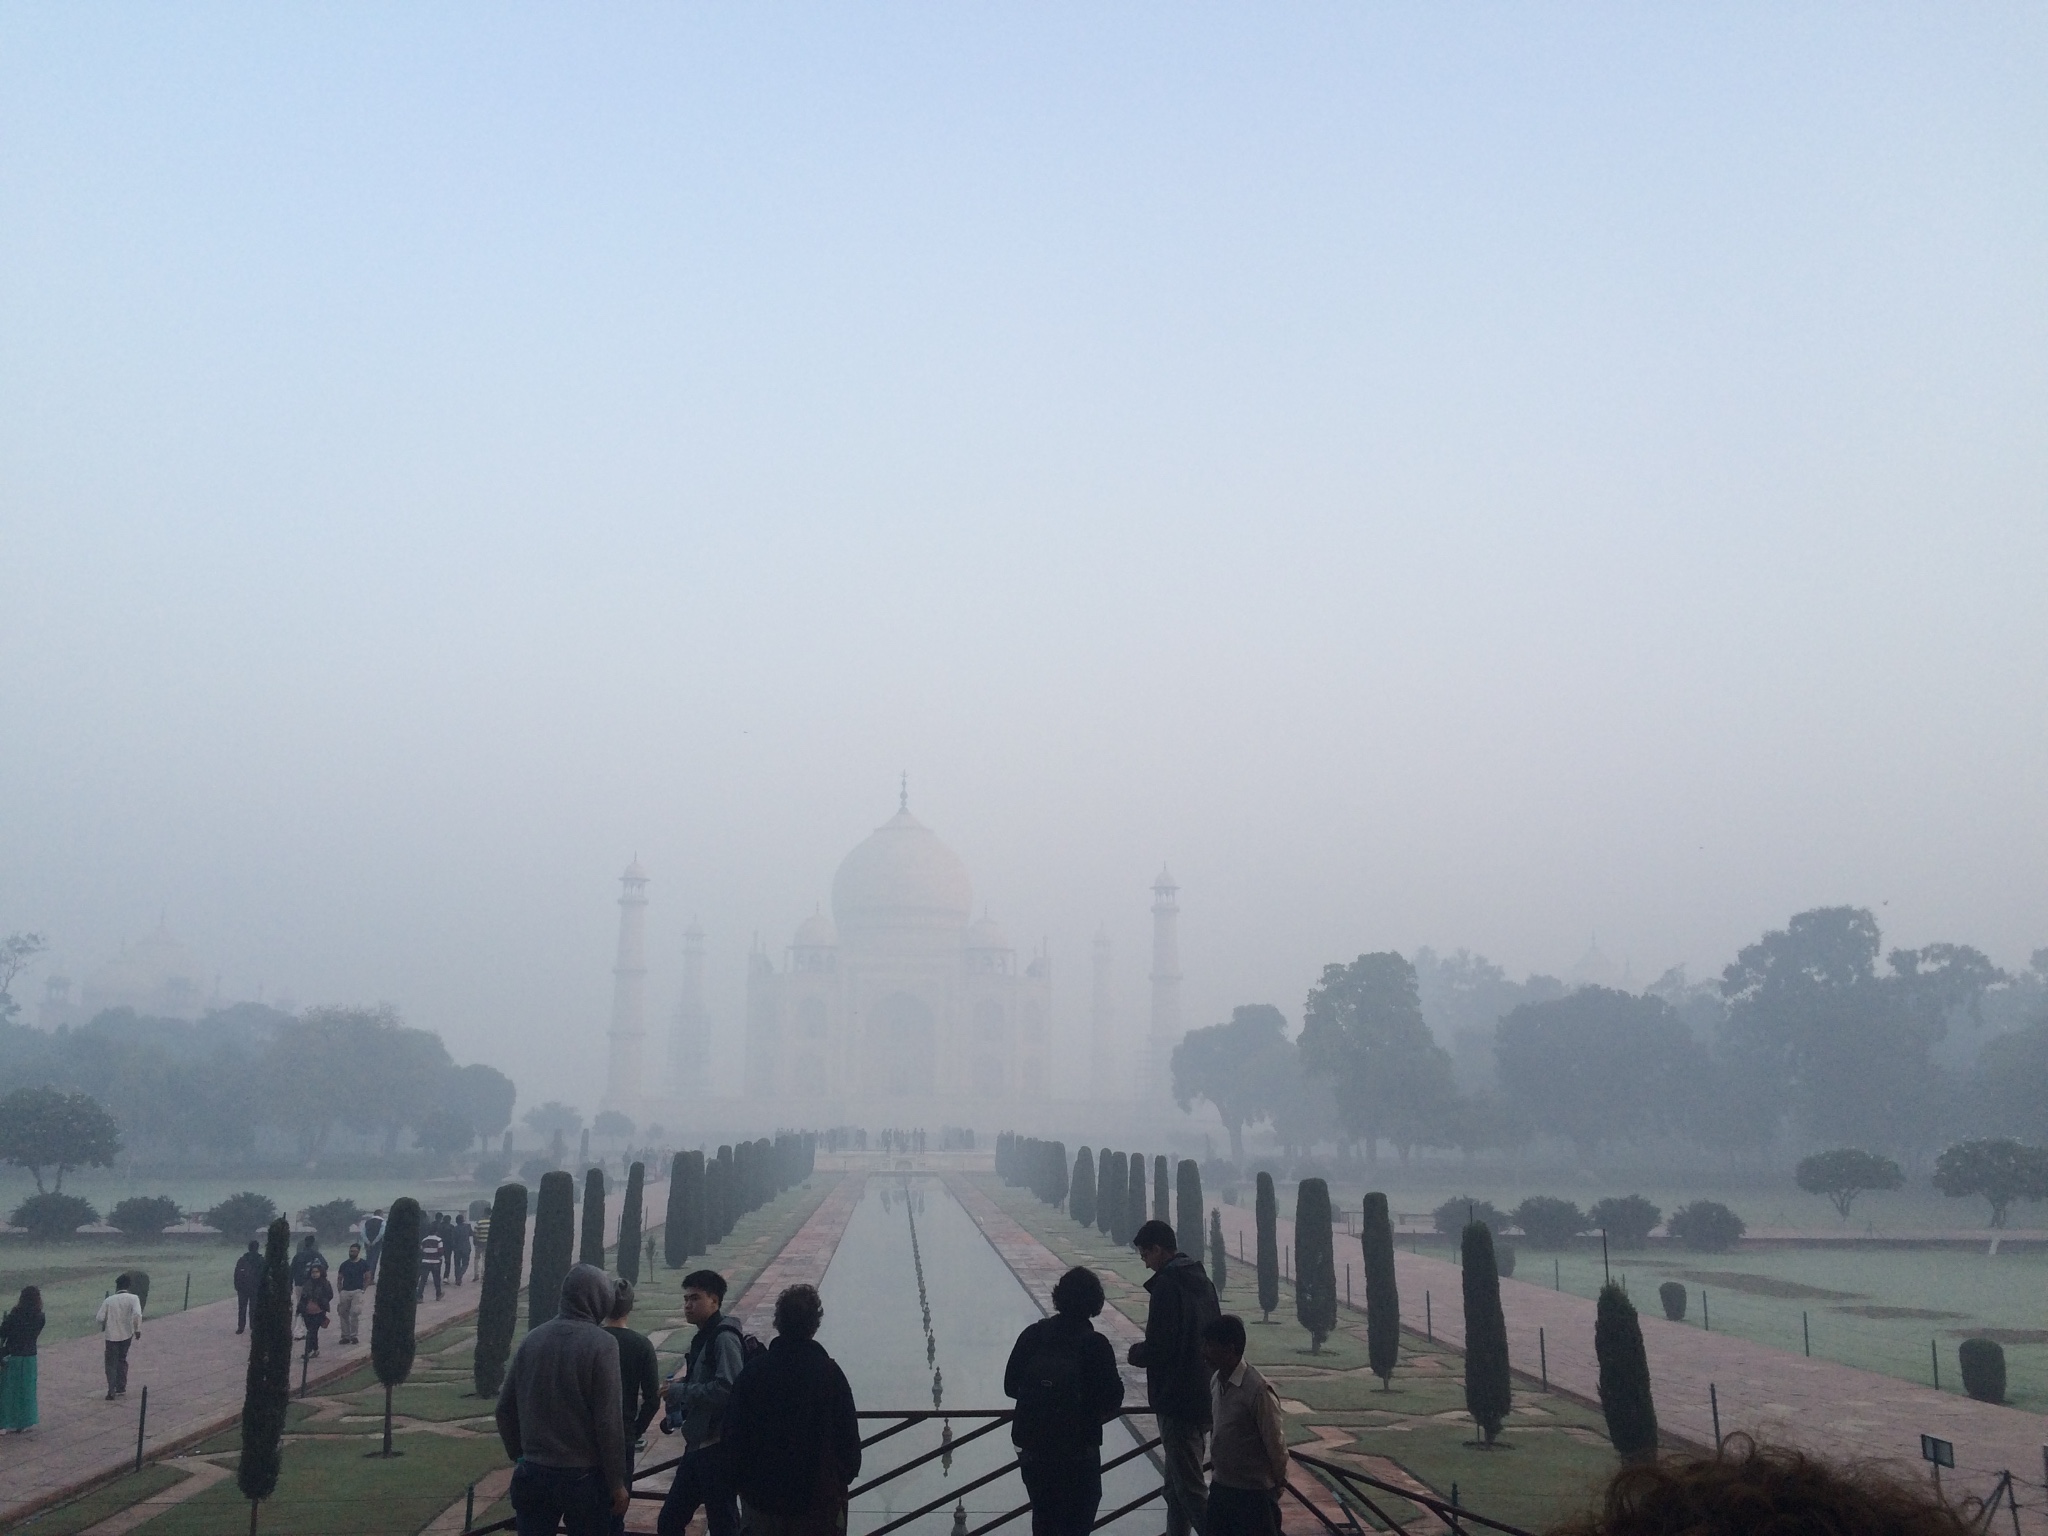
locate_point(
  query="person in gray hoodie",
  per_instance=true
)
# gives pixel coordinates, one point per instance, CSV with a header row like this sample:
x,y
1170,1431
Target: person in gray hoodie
x,y
558,1415
697,1396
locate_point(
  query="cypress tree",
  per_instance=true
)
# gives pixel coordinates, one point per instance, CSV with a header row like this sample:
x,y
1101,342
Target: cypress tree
x,y
1081,1192
1382,1291
1624,1376
1315,1263
1266,1223
675,1239
1187,1214
590,1249
1488,1394
497,1308
1134,1196
397,1306
1219,1266
728,1193
628,1265
267,1391
1058,1170
1121,1225
714,1203
693,1208
1159,1202
554,1236
1105,1191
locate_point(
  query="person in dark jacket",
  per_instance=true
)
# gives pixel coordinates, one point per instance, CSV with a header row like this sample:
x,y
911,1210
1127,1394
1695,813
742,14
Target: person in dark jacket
x,y
461,1244
248,1275
1063,1375
790,1433
1176,1376
309,1254
18,1364
639,1379
697,1399
316,1302
558,1416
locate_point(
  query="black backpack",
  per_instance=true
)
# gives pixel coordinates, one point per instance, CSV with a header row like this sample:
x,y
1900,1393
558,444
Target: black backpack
x,y
1051,1396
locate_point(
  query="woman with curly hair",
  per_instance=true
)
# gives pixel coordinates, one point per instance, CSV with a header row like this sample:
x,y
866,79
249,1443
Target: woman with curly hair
x,y
1753,1490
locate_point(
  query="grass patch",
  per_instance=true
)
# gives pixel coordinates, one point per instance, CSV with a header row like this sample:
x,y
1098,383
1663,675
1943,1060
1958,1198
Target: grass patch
x,y
1928,1314
88,1510
330,1486
2002,1335
1766,1285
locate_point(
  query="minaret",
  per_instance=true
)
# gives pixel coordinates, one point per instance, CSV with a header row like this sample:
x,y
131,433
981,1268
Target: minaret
x,y
689,1041
1166,1030
1104,1085
625,1086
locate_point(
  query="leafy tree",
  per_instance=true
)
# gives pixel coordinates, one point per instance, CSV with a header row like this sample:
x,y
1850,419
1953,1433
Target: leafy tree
x,y
497,1308
17,951
554,1233
1624,1376
236,1217
1219,1254
43,1128
52,1218
1315,1262
1364,1031
1238,1067
1549,1222
1265,1222
145,1215
267,1388
553,1118
1451,1217
1081,1188
629,1224
2007,1088
395,1310
1627,1220
445,1131
332,1218
1187,1200
482,1095
1845,1173
1999,1169
1706,1226
1596,1066
612,1125
590,1247
1488,1392
1382,1290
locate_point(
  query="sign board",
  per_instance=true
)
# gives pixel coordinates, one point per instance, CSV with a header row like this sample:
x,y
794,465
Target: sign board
x,y
1941,1452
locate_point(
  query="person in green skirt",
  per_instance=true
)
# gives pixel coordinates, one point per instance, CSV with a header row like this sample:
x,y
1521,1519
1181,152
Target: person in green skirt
x,y
18,1331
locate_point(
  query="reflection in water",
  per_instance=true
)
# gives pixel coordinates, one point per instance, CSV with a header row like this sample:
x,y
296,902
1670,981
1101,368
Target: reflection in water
x,y
915,1290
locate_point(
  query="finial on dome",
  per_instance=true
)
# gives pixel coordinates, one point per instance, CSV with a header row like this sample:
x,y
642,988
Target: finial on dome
x,y
903,792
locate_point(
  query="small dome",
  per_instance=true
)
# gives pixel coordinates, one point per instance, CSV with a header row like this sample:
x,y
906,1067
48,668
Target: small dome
x,y
987,933
634,871
901,877
816,932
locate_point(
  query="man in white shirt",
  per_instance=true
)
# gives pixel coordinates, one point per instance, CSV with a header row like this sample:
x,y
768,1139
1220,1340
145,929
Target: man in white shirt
x,y
120,1319
1248,1442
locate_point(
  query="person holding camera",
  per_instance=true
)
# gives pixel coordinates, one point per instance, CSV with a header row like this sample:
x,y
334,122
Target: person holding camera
x,y
697,1396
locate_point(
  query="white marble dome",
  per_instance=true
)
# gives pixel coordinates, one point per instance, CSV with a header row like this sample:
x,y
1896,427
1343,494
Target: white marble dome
x,y
901,877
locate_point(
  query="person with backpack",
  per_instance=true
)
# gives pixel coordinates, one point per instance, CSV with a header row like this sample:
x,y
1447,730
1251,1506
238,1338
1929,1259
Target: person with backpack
x,y
1063,1375
791,1433
696,1397
1176,1376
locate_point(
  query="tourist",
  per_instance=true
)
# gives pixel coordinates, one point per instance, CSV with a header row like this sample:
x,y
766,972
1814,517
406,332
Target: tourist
x,y
248,1275
430,1263
354,1275
697,1398
790,1434
18,1331
316,1299
302,1261
445,1230
558,1416
1746,1488
461,1244
373,1240
1063,1375
1247,1444
120,1319
1176,1380
639,1378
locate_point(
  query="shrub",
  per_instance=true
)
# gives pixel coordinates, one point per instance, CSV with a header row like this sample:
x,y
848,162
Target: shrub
x,y
1382,1290
138,1282
53,1218
1315,1262
267,1388
1081,1188
1983,1362
1624,1376
1673,1295
554,1239
1504,1258
497,1310
241,1217
1452,1216
1265,1222
332,1218
1488,1390
1548,1222
1627,1220
1706,1226
145,1215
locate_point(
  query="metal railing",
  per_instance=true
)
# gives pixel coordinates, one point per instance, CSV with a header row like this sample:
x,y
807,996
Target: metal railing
x,y
1353,1490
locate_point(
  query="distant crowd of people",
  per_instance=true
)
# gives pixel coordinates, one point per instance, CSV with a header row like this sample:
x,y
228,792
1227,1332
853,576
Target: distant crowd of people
x,y
447,1247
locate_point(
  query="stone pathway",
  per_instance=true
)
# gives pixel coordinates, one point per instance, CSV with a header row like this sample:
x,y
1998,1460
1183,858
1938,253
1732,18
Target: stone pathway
x,y
195,1366
803,1259
1836,1410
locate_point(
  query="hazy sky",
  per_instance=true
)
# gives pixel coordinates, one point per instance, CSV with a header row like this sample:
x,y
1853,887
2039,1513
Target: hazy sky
x,y
1436,474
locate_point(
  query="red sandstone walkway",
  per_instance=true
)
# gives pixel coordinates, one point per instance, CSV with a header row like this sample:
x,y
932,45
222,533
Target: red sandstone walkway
x,y
804,1258
1833,1409
195,1366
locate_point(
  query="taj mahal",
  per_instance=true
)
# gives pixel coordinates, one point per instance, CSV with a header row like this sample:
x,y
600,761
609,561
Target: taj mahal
x,y
899,1003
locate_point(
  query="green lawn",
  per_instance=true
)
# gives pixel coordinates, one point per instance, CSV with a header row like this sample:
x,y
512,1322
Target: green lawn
x,y
75,1276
